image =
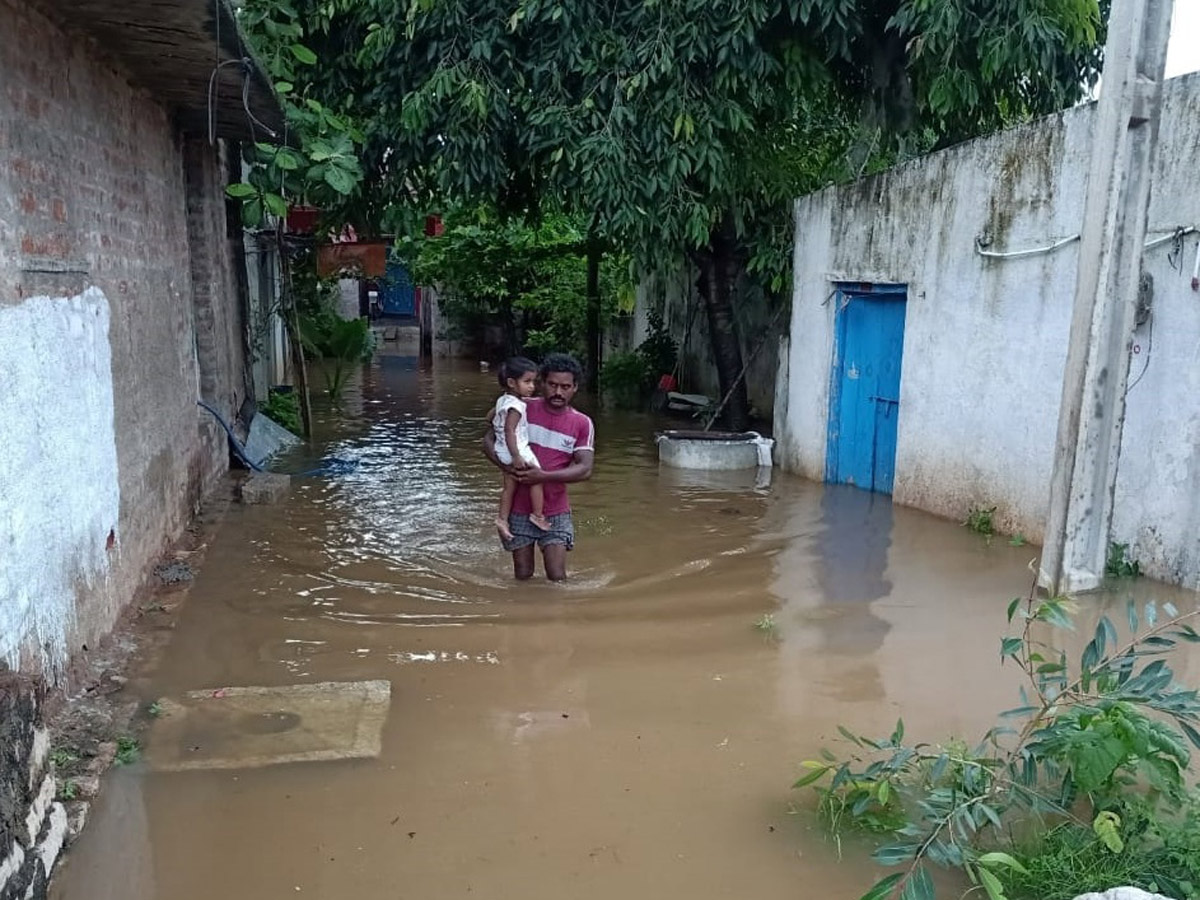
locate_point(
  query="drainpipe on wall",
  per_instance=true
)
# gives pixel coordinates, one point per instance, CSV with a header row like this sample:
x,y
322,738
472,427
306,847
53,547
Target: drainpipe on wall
x,y
1092,413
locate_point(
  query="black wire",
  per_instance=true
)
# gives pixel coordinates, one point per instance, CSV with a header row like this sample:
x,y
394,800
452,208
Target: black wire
x,y
1175,256
1149,347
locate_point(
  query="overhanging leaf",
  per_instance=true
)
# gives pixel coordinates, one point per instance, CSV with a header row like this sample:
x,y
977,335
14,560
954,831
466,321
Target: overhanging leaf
x,y
276,205
849,735
991,884
894,854
340,180
1012,608
997,858
815,775
882,888
252,213
303,54
918,887
1192,734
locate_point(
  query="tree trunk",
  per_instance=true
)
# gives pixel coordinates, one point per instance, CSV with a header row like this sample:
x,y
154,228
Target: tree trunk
x,y
719,266
291,321
508,318
595,343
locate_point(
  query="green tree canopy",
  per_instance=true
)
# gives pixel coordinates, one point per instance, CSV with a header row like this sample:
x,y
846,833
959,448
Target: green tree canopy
x,y
683,126
530,280
671,122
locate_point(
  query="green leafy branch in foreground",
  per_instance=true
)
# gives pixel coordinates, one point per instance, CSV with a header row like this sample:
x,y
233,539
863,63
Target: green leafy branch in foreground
x,y
318,160
1086,739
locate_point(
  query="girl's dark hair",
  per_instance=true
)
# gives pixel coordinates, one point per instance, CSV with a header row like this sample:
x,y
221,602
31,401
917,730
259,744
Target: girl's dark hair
x,y
515,368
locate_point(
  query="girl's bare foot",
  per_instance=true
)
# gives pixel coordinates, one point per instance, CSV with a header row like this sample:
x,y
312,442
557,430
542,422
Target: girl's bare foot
x,y
540,522
502,528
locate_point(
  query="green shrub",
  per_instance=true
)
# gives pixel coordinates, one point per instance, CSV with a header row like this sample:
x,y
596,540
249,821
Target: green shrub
x,y
328,336
659,349
1120,564
1159,856
628,378
625,378
1099,742
342,341
981,520
284,407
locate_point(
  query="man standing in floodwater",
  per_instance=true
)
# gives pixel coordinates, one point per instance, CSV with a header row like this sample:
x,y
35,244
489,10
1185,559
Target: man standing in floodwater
x,y
563,440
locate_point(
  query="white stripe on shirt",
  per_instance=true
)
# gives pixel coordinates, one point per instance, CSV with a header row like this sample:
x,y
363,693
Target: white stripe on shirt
x,y
552,440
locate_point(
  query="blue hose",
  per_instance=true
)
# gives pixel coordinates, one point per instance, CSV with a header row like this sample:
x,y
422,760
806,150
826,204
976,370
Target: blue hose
x,y
331,466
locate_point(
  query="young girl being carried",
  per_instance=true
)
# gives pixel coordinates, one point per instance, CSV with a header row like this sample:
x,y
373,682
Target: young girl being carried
x,y
518,377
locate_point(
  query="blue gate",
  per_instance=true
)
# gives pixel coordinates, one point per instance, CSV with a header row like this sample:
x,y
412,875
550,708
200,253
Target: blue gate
x,y
397,296
864,395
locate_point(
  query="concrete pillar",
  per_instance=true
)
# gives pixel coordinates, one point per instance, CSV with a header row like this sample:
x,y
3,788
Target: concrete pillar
x,y
1110,258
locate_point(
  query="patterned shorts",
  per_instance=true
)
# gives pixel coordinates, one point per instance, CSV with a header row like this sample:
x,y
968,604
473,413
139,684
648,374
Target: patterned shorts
x,y
525,533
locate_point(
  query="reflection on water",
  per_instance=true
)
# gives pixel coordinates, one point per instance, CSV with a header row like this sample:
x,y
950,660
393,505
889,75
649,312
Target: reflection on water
x,y
627,733
852,562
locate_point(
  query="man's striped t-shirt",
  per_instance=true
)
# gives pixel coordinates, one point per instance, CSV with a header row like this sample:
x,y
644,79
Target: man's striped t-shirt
x,y
555,437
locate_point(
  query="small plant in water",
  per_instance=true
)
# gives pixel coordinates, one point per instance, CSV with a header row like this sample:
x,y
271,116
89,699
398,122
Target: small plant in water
x,y
1100,744
767,627
154,710
128,750
980,520
1120,564
596,525
1018,540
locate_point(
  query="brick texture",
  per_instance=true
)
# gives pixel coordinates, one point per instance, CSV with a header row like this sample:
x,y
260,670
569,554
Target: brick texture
x,y
97,187
32,824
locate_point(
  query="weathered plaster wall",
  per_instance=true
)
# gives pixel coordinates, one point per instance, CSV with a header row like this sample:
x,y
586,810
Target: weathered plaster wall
x,y
1158,488
347,301
58,471
99,350
985,340
119,306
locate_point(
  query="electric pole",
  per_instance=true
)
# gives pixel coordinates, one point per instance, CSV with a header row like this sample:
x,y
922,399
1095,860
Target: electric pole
x,y
1092,413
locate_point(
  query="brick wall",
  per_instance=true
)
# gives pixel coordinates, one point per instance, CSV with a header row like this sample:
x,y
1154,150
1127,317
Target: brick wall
x,y
32,825
99,192
119,307
218,321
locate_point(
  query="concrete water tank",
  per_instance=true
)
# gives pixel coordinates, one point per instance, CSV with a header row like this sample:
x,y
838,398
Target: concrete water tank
x,y
714,450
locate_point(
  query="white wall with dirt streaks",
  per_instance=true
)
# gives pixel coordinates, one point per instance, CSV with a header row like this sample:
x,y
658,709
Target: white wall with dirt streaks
x,y
985,340
59,486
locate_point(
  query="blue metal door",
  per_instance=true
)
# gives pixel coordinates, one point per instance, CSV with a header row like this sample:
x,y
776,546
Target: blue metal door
x,y
396,293
864,407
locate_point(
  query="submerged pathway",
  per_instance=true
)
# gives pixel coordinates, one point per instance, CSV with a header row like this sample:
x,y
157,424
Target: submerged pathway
x,y
631,734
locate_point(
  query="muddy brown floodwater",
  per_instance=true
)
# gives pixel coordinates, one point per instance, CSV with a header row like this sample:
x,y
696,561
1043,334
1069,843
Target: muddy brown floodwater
x,y
629,734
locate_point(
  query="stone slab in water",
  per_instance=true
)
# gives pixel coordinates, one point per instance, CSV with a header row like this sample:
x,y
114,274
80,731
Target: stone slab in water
x,y
1123,893
251,727
267,438
264,487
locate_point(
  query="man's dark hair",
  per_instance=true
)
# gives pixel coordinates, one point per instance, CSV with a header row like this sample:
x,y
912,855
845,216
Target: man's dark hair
x,y
514,368
562,362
